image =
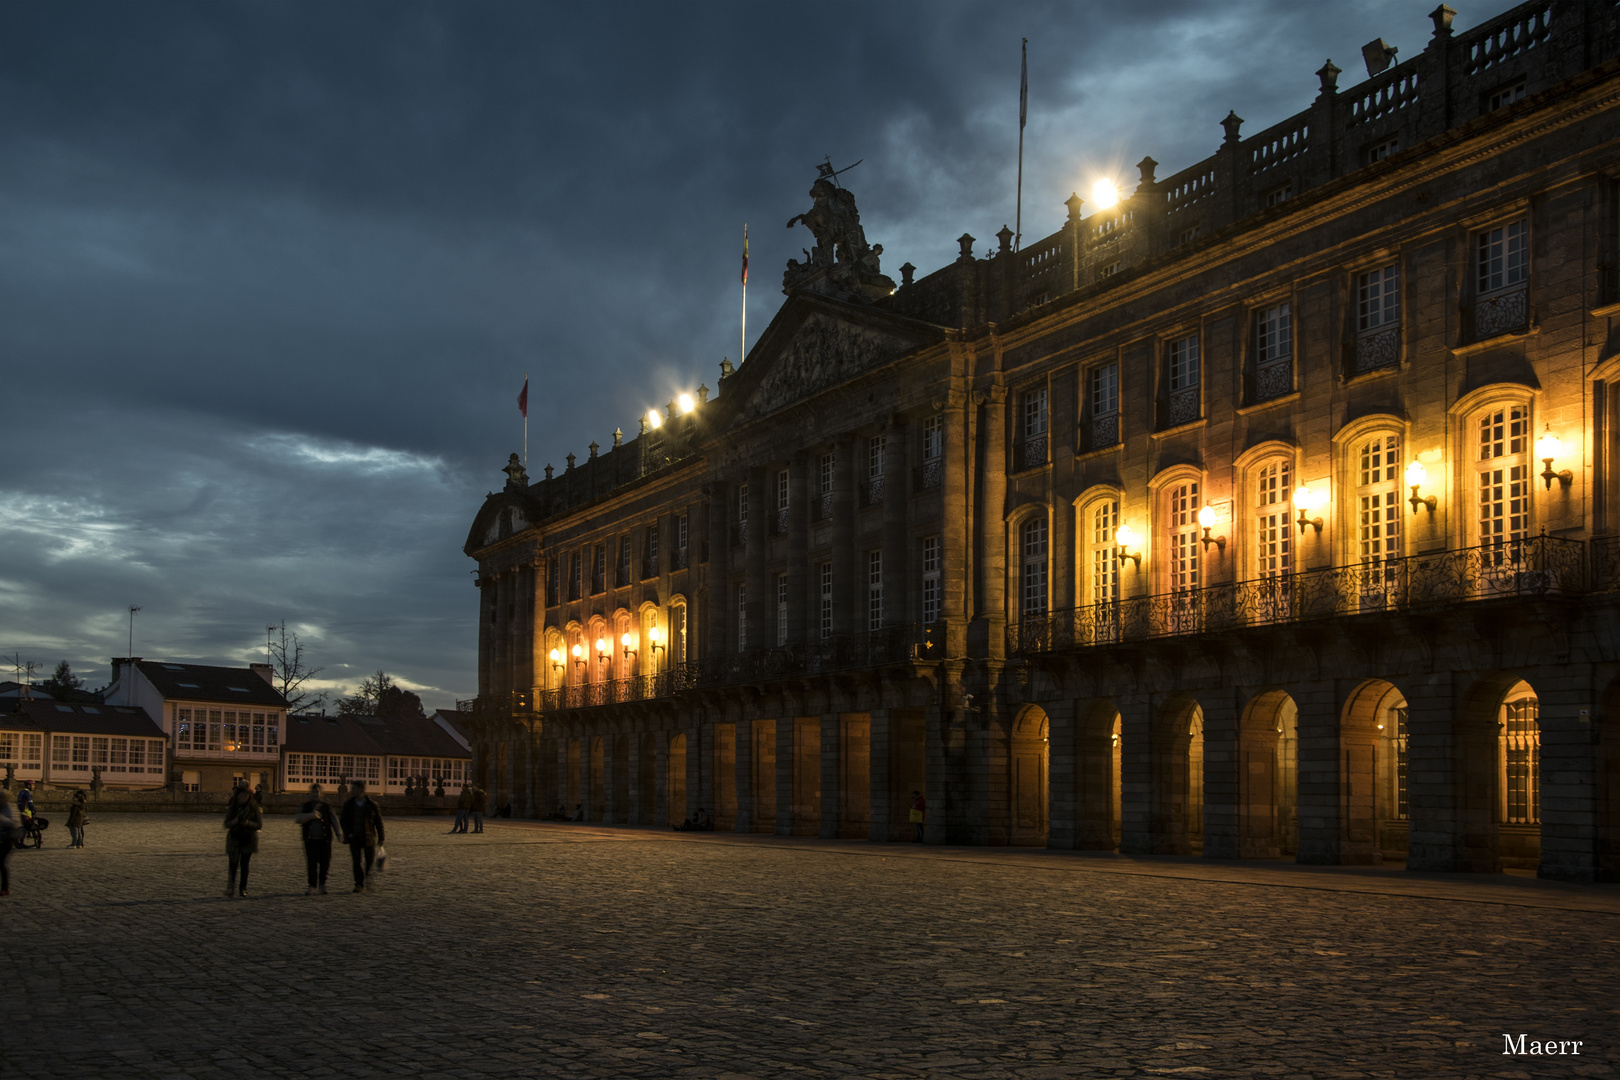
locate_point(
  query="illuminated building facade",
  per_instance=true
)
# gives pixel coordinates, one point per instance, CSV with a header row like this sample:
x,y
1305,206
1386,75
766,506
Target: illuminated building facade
x,y
1271,512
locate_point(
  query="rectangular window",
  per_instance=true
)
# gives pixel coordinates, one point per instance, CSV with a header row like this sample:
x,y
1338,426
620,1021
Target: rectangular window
x,y
1110,270
598,569
874,590
1378,151
933,447
824,576
624,561
1273,352
1505,96
876,447
1378,298
573,575
1184,503
1102,399
1030,449
1504,482
1034,413
1378,499
742,505
681,536
742,617
1280,194
782,502
553,583
825,475
61,751
81,753
930,579
781,609
1181,369
1500,258
1104,552
1032,544
649,552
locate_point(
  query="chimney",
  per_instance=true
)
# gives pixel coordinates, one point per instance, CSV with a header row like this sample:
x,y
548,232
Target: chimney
x,y
265,672
123,673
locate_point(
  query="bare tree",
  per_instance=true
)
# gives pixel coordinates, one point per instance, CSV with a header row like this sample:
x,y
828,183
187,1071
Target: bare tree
x,y
364,701
290,671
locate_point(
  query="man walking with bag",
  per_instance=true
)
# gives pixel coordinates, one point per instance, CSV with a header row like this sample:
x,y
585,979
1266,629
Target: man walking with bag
x,y
362,825
318,825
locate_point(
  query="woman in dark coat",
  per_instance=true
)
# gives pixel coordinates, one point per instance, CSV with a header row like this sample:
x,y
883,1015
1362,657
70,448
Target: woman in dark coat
x,y
242,824
78,814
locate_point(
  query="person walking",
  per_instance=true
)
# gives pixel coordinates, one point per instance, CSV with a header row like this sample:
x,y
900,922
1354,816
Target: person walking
x,y
463,809
317,824
362,825
78,814
919,811
242,824
10,823
480,803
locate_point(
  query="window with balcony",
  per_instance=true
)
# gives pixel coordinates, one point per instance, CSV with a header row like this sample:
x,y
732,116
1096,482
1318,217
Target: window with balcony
x,y
824,488
1378,518
1032,567
677,634
739,528
1101,521
1501,277
1274,538
931,594
824,599
682,536
1273,355
874,590
1102,406
1184,403
1182,567
782,502
649,552
742,616
1502,480
931,473
876,447
598,569
781,609
1029,448
573,575
1378,318
622,578
553,583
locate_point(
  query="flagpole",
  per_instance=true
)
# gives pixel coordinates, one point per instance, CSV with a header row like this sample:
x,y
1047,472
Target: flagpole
x,y
742,348
525,421
1023,111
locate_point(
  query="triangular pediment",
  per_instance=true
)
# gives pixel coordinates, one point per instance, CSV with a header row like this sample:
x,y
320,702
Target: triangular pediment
x,y
816,343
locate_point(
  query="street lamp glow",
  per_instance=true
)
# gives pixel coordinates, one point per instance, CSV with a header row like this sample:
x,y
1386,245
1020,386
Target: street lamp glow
x,y
1548,446
1125,536
627,641
1304,498
686,403
1416,474
1206,517
579,650
1105,194
654,419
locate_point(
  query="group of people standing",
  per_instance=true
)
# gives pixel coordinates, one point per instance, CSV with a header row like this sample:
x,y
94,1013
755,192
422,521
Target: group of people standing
x,y
359,824
471,806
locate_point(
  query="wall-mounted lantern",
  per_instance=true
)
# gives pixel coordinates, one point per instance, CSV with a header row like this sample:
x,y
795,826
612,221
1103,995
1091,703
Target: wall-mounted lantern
x,y
1549,447
1416,477
1206,518
1306,500
1124,536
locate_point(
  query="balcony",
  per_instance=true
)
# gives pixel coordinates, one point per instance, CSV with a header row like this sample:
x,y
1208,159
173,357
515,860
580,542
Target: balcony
x,y
1029,454
899,644
679,561
824,506
1542,566
739,534
929,475
781,521
872,492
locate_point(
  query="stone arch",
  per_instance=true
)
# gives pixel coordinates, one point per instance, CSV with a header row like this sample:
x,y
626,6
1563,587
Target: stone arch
x,y
1496,738
675,780
622,664
1177,814
553,658
1267,777
1098,755
1028,762
597,641
1374,715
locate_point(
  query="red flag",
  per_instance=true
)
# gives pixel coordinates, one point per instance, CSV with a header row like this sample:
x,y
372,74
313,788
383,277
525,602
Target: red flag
x,y
523,398
745,255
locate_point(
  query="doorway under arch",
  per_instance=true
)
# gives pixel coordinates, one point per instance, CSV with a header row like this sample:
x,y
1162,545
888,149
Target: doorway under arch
x,y
1267,777
1028,761
1178,778
1098,758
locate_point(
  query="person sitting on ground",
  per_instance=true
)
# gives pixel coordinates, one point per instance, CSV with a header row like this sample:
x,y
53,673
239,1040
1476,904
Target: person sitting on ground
x,y
579,812
559,814
698,822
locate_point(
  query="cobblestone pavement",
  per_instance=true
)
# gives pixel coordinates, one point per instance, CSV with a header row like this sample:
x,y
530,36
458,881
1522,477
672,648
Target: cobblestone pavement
x,y
557,950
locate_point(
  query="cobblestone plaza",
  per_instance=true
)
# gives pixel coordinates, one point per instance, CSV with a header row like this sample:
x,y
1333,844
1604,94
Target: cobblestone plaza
x,y
586,951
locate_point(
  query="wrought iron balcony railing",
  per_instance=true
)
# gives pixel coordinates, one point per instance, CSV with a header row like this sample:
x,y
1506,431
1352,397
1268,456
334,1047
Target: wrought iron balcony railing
x,y
929,475
1536,566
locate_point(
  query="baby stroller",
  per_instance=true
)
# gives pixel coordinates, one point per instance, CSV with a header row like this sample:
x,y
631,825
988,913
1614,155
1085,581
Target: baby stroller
x,y
33,831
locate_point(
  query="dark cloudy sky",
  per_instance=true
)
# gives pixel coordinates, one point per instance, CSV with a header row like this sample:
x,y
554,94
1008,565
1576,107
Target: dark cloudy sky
x,y
271,274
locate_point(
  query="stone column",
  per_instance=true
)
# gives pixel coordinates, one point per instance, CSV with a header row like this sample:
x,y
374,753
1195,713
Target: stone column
x,y
1573,770
528,810
745,773
880,829
898,605
990,633
1338,779
1062,767
831,775
633,810
1224,789
956,564
1432,798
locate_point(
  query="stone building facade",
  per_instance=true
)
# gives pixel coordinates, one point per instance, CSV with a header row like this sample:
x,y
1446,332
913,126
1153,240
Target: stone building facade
x,y
1269,513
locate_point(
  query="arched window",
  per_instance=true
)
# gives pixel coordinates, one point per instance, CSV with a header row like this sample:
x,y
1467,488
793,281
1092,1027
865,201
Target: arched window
x,y
1102,559
677,634
1032,575
1502,481
1274,539
1378,517
1521,758
1182,519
